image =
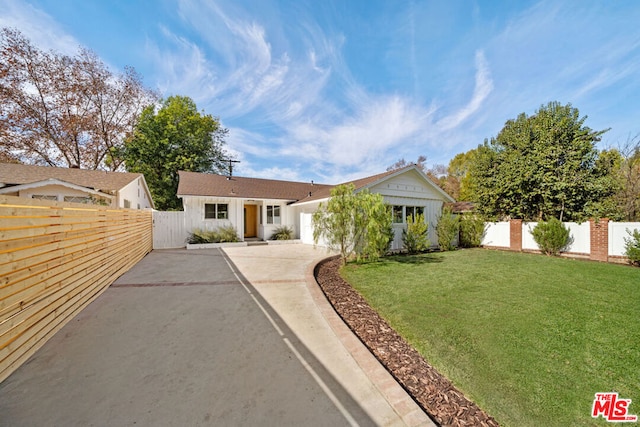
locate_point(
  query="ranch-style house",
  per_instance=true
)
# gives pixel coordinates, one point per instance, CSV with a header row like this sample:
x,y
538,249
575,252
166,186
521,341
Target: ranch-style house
x,y
255,207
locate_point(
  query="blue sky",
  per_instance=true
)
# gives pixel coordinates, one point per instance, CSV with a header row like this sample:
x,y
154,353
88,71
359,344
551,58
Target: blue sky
x,y
334,90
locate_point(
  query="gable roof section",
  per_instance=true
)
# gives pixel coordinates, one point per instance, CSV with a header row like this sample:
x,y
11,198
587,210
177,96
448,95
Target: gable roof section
x,y
106,182
373,180
213,185
420,172
52,181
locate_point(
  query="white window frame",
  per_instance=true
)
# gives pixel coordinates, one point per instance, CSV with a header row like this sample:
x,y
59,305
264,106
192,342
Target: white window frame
x,y
44,197
218,212
272,218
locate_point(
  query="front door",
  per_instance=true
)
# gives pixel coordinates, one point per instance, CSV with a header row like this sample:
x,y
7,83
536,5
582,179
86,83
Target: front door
x,y
250,221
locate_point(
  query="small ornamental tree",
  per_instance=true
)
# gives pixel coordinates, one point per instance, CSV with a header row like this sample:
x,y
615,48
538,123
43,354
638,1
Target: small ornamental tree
x,y
414,238
447,230
552,236
354,224
632,247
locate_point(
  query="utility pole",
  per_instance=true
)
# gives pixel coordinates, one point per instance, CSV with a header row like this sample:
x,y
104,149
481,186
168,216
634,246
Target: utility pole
x,y
231,162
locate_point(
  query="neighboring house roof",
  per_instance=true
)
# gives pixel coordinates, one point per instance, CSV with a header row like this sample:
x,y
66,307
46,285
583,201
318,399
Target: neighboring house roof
x,y
461,207
103,181
212,185
13,175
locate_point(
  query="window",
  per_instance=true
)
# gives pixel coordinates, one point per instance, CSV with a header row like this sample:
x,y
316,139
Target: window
x,y
414,210
77,199
127,204
397,215
273,214
43,197
223,211
216,211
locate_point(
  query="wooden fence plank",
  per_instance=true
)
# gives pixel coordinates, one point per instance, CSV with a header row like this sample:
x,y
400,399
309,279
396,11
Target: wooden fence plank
x,y
55,258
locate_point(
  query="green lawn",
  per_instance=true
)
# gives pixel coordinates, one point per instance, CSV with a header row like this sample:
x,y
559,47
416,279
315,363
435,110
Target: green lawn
x,y
529,338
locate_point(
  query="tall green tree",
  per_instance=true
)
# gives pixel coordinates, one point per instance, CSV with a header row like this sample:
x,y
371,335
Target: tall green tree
x,y
626,167
542,166
459,170
172,138
355,224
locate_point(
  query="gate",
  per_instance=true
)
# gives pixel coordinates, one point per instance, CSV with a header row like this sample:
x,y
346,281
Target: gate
x,y
168,230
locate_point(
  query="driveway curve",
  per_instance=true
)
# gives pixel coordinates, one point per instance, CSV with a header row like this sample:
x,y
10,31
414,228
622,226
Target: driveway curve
x,y
207,337
177,341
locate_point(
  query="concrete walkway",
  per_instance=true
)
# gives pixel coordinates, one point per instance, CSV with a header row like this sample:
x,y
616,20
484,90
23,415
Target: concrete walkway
x,y
283,275
206,337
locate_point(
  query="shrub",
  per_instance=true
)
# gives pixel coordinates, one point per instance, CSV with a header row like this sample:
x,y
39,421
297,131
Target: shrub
x,y
471,230
447,230
632,247
282,233
226,233
414,238
198,236
378,242
552,236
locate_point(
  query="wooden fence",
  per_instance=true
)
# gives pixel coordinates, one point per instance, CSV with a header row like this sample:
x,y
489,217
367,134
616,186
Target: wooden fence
x,y
55,258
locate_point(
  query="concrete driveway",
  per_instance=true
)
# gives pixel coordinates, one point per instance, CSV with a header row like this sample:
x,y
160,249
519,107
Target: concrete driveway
x,y
184,338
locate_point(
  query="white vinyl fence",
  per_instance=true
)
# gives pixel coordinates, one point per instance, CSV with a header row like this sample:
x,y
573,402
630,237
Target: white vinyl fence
x,y
498,234
617,233
579,232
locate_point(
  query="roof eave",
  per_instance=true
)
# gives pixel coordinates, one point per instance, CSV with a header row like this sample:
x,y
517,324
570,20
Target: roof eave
x,y
53,181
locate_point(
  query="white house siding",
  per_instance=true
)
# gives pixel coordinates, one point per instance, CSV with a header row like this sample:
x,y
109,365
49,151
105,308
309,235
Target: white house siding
x,y
410,189
407,185
135,194
194,214
288,217
58,191
432,212
304,213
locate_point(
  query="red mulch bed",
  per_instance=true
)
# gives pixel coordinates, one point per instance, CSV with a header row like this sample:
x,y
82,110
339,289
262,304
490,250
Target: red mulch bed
x,y
445,404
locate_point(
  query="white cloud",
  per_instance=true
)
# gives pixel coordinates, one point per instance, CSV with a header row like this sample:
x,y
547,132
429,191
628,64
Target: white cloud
x,y
43,31
182,68
243,142
482,89
279,173
377,126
